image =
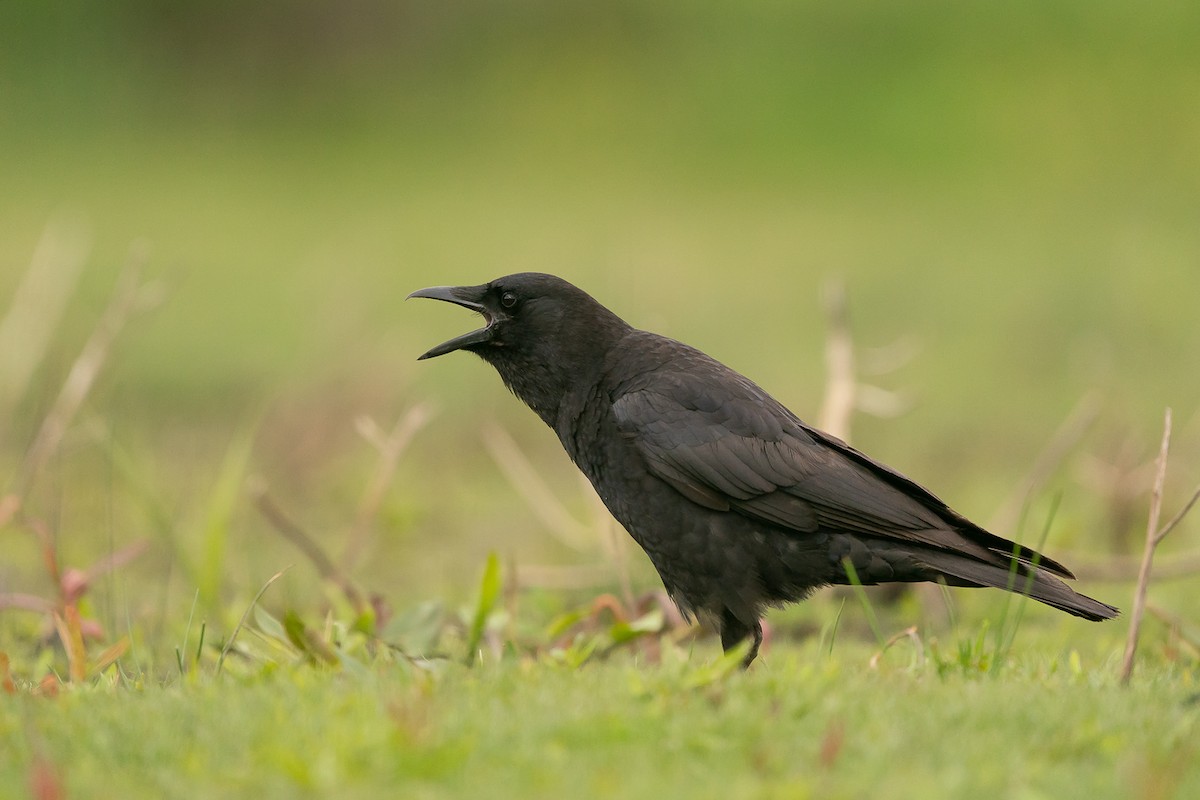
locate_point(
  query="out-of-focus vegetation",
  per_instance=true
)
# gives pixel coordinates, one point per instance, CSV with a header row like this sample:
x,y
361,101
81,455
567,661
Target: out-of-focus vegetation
x,y
1013,190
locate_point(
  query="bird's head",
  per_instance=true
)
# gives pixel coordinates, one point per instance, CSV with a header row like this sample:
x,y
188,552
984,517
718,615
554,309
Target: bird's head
x,y
540,333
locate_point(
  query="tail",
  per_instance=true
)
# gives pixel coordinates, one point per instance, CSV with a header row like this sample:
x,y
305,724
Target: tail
x,y
958,570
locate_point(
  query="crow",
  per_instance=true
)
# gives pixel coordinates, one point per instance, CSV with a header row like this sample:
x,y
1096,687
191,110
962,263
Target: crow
x,y
738,503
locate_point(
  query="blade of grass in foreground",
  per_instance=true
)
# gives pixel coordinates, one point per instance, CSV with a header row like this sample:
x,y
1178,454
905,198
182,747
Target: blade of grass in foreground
x,y
861,593
489,595
224,500
242,622
1006,633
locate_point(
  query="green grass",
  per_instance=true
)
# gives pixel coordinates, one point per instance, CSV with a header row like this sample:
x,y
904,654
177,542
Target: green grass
x,y
1015,188
800,724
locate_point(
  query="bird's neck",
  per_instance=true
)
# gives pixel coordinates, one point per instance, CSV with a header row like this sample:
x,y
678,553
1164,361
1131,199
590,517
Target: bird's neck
x,y
541,386
557,380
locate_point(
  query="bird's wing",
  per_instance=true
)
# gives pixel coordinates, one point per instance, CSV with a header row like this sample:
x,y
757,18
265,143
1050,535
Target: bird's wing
x,y
724,443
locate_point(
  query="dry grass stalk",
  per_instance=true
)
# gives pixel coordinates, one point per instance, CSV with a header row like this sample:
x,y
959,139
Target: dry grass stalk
x,y
537,494
1127,568
841,387
25,602
908,633
844,393
306,545
584,576
562,524
129,297
27,329
391,447
38,305
1154,536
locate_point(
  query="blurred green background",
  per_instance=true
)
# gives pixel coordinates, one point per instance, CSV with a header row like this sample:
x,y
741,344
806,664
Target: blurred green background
x,y
1015,187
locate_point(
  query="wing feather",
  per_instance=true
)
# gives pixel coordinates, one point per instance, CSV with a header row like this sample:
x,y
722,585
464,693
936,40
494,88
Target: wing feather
x,y
723,442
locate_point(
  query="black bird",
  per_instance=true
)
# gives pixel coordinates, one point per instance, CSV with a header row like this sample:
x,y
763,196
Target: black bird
x,y
738,503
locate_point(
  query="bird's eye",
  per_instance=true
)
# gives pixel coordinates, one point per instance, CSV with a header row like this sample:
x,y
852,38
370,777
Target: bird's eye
x,y
508,299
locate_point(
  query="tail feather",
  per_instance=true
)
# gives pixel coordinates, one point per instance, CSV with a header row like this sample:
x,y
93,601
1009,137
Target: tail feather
x,y
1037,583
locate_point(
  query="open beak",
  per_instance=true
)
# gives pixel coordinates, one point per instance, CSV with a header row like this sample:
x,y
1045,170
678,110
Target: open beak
x,y
468,297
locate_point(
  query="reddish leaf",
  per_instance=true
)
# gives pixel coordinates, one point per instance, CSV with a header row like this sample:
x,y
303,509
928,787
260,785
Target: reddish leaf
x,y
70,633
6,681
111,654
44,781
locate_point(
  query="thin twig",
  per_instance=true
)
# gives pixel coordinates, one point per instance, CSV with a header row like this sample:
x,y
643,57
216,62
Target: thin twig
x,y
391,447
907,633
74,583
888,358
837,407
1127,568
541,500
1184,632
1152,540
26,602
114,561
844,392
305,544
882,403
583,576
1175,520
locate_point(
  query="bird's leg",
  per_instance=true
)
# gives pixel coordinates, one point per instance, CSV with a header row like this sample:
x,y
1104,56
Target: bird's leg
x,y
734,630
758,637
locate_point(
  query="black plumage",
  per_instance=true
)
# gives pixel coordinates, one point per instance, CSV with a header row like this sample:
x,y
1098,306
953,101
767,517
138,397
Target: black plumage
x,y
737,502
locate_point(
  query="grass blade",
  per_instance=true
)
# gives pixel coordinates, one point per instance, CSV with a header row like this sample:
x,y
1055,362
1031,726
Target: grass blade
x,y
489,596
245,614
861,593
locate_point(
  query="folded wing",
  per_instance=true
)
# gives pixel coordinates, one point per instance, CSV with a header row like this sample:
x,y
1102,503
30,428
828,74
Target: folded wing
x,y
724,443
